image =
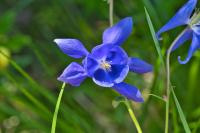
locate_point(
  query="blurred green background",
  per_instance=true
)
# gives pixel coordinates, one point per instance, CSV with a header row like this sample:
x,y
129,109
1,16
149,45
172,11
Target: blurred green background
x,y
28,76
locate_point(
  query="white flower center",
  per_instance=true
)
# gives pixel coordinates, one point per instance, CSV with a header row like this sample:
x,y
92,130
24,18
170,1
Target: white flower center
x,y
195,19
106,65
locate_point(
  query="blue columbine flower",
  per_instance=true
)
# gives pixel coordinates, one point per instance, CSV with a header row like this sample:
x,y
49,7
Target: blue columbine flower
x,y
107,64
184,17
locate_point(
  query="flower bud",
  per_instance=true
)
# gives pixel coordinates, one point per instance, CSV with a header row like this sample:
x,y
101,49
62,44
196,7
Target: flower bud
x,y
4,61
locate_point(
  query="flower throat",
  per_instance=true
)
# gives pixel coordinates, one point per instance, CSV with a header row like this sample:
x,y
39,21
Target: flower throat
x,y
106,65
195,19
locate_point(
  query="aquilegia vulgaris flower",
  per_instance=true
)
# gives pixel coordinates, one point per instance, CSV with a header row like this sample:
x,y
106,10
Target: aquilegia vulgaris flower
x,y
184,17
107,64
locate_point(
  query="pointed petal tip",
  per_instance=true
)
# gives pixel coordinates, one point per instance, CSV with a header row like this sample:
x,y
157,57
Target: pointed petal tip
x,y
71,47
181,18
158,37
150,68
56,41
139,66
119,32
141,100
129,91
128,19
60,79
139,97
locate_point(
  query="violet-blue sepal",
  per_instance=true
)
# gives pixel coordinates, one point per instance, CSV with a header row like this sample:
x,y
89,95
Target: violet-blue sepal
x,y
107,64
185,17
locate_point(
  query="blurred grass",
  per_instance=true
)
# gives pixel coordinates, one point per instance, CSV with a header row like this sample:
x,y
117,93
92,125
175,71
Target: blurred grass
x,y
27,30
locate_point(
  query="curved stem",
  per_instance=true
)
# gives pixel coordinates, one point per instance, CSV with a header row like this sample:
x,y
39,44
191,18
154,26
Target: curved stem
x,y
53,127
139,130
168,84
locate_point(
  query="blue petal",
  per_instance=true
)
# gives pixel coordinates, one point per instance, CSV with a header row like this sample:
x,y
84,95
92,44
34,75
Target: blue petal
x,y
180,18
139,66
118,33
196,28
117,55
194,46
129,91
186,36
101,51
118,73
72,47
91,65
74,74
102,78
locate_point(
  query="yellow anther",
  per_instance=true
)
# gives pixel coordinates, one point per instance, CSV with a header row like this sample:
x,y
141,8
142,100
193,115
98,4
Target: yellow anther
x,y
105,65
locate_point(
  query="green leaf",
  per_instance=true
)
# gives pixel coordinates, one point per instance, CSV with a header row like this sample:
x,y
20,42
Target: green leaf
x,y
157,45
180,112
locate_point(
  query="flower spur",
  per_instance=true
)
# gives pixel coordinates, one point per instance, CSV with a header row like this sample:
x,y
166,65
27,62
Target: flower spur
x,y
107,64
184,17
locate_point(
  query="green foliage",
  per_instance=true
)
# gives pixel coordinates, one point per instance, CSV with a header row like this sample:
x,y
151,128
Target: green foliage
x,y
29,86
153,33
182,116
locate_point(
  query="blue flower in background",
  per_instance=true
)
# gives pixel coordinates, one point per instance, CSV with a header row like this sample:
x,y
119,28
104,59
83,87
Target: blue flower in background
x,y
184,17
107,64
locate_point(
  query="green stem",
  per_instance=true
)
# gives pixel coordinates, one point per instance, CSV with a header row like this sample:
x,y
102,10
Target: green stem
x,y
139,130
111,12
55,115
126,101
167,113
168,84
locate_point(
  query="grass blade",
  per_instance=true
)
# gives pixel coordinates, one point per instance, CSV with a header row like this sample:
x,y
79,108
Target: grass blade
x,y
148,4
180,112
154,36
53,128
